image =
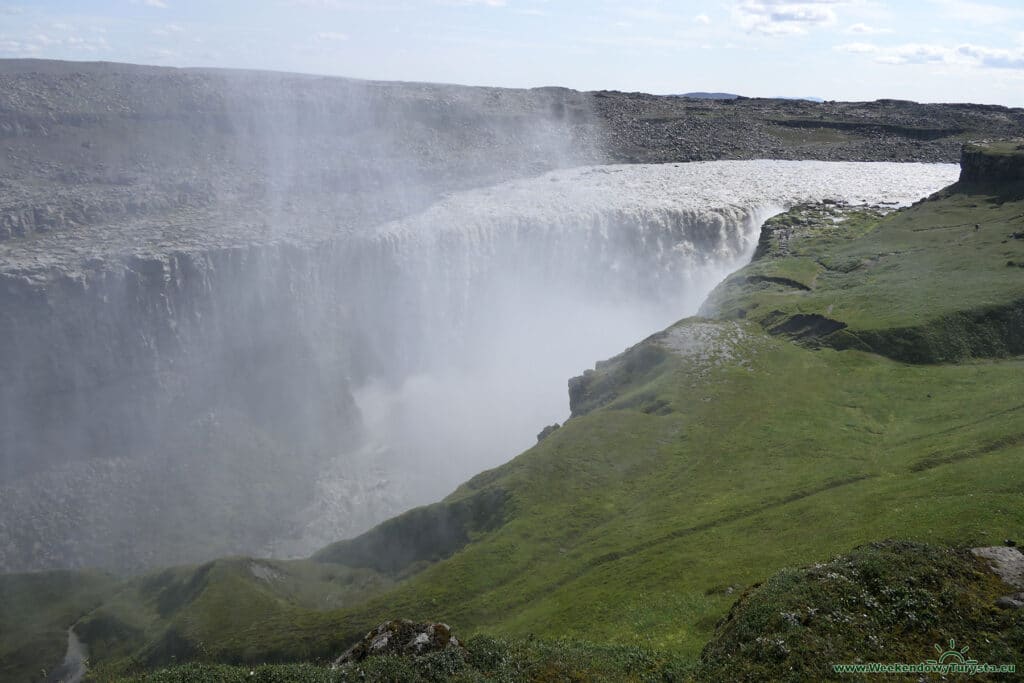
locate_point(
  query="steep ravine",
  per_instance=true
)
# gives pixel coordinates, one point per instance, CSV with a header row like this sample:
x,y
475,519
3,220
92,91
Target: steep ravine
x,y
171,407
148,394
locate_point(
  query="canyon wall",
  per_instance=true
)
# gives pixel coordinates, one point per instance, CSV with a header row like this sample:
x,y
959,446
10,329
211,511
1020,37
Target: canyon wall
x,y
255,313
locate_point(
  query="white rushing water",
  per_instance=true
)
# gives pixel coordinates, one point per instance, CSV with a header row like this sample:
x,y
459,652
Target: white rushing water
x,y
480,308
216,388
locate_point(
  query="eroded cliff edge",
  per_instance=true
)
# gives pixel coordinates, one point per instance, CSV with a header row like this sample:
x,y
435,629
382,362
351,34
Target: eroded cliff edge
x,y
166,291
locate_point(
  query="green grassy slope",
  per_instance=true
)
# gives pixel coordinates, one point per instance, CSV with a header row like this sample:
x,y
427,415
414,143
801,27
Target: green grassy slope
x,y
698,462
484,659
642,549
888,602
925,285
35,613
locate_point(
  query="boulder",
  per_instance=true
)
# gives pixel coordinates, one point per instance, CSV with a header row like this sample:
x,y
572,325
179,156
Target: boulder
x,y
401,637
546,432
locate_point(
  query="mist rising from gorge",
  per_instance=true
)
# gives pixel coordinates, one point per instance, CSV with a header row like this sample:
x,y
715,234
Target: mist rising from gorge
x,y
261,313
485,303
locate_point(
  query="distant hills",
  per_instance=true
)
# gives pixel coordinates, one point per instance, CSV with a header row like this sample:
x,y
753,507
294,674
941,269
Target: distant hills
x,y
709,95
734,96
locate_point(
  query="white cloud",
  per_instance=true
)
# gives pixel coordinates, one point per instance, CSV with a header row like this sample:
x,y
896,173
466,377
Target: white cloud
x,y
86,44
979,13
993,57
635,40
864,29
702,19
35,45
915,53
857,48
18,48
167,30
468,3
778,17
332,36
352,5
967,55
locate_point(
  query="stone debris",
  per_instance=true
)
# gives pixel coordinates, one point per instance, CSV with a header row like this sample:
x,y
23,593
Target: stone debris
x,y
401,637
264,572
709,344
1008,564
1015,601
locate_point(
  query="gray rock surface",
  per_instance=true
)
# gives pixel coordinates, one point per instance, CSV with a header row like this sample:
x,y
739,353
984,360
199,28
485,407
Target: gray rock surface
x,y
176,379
401,637
1008,563
174,383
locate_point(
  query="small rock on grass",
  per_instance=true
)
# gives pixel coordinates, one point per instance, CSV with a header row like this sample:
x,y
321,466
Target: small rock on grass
x,y
401,637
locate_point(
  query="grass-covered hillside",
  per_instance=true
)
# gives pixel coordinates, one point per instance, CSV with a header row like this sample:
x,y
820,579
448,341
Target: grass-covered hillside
x,y
860,380
883,603
35,613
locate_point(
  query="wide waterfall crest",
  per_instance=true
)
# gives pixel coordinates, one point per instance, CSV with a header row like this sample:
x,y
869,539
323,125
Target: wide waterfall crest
x,y
491,298
368,371
652,237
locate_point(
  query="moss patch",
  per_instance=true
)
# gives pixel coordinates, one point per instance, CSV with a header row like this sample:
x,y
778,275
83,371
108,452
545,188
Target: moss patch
x,y
884,602
926,284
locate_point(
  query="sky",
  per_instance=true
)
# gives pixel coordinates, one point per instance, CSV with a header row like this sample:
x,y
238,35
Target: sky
x,y
924,50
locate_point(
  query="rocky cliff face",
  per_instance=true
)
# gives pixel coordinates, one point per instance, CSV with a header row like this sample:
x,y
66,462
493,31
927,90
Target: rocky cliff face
x,y
102,359
994,164
198,267
162,407
214,361
177,313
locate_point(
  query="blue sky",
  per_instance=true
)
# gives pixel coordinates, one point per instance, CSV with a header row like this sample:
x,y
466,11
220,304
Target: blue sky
x,y
926,50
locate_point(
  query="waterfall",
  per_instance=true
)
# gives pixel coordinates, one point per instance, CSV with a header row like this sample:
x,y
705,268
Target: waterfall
x,y
275,395
476,311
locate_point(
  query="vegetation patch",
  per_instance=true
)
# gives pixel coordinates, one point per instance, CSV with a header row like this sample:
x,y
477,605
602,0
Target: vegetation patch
x,y
885,602
708,457
35,613
925,284
484,659
429,533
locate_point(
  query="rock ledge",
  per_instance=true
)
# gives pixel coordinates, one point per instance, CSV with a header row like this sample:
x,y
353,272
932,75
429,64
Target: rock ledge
x,y
401,637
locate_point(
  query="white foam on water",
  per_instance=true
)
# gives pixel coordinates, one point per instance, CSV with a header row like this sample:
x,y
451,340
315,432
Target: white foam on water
x,y
488,301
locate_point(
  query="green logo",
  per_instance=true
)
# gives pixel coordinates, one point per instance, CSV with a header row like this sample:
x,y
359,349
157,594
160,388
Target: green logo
x,y
952,654
952,660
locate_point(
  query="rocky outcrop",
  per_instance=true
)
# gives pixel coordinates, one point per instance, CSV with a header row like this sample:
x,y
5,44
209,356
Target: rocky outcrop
x,y
25,216
178,290
1008,564
87,144
995,164
650,128
138,343
143,394
427,533
198,266
547,431
882,602
401,637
